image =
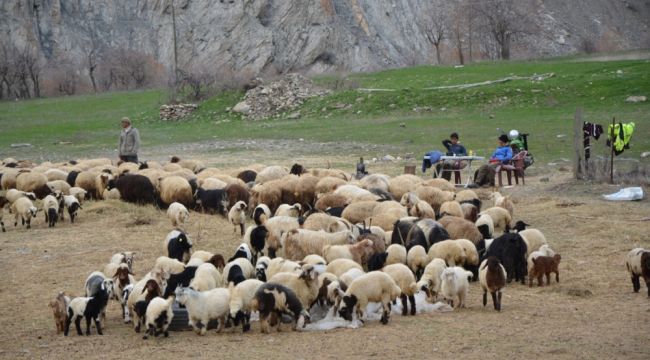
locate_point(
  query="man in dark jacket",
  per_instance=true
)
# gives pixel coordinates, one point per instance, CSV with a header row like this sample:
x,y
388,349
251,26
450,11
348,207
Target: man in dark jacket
x,y
453,148
129,142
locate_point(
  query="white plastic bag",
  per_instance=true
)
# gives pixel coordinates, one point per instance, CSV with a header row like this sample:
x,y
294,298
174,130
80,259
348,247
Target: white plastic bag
x,y
626,194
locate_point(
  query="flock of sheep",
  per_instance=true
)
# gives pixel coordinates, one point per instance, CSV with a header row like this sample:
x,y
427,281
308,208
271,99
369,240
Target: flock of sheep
x,y
318,238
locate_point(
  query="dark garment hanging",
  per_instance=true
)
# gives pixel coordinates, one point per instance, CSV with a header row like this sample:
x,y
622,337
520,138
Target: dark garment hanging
x,y
590,130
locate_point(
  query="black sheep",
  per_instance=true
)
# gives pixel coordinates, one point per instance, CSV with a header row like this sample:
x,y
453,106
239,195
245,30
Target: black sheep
x,y
181,279
437,234
258,239
383,195
212,200
90,308
178,245
510,249
277,299
297,169
235,275
72,177
377,261
136,189
335,211
247,176
408,234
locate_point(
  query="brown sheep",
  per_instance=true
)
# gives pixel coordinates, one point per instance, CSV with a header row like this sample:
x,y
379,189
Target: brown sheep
x,y
459,228
59,307
331,201
236,192
544,265
176,189
328,184
305,191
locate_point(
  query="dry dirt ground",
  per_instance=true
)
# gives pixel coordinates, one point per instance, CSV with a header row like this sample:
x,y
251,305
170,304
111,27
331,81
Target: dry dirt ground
x,y
591,313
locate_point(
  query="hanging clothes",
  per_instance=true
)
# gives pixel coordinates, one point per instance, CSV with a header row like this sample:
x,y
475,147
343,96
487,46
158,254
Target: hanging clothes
x,y
622,136
590,130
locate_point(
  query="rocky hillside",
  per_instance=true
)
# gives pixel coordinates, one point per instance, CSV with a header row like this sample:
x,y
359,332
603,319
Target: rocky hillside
x,y
300,35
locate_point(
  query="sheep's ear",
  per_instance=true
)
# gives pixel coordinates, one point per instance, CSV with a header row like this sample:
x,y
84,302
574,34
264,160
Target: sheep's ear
x,y
340,292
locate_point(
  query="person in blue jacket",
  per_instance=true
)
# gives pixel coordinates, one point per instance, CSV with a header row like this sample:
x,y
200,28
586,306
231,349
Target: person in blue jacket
x,y
503,154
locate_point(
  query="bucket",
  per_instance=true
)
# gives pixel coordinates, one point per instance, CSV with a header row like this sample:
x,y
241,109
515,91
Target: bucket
x,y
409,169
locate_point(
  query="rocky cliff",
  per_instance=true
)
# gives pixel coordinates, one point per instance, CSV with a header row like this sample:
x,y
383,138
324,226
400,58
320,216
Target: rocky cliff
x,y
299,35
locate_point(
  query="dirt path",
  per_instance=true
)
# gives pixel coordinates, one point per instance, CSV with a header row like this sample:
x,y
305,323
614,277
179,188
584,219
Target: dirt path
x,y
591,313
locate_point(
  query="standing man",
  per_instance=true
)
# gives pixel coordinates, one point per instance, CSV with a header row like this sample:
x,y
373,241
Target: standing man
x,y
129,142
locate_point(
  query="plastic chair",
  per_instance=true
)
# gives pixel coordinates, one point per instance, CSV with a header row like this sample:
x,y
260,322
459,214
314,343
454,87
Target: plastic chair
x,y
514,166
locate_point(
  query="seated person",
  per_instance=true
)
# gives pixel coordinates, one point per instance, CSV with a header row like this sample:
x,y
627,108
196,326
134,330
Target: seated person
x,y
453,148
502,155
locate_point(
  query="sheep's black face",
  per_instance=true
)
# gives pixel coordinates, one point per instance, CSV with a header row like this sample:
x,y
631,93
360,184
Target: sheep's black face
x,y
348,303
272,253
260,274
239,318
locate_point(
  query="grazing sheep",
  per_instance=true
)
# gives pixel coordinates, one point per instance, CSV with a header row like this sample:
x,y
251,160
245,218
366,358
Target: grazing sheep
x,y
544,250
236,192
430,280
359,252
150,291
261,266
354,193
375,286
403,184
375,181
59,186
492,276
79,193
454,283
136,188
177,245
409,234
51,209
638,264
56,174
176,189
178,215
325,222
459,228
304,285
158,317
206,277
238,270
261,214
168,265
339,267
294,210
299,243
485,226
72,204
470,212
404,278
450,251
89,307
396,254
314,259
331,201
359,211
241,299
503,202
544,265
279,265
243,251
305,190
451,208
377,261
468,197
500,217
12,195
25,210
86,181
434,231
472,257
534,239
422,210
59,307
434,196
270,173
204,306
33,182
511,250
237,216
349,276
277,299
211,184
417,259
276,227
145,290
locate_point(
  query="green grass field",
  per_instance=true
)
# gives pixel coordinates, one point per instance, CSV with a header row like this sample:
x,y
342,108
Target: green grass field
x,y
544,109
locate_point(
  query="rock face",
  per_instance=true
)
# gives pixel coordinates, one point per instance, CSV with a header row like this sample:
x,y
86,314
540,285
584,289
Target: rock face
x,y
294,35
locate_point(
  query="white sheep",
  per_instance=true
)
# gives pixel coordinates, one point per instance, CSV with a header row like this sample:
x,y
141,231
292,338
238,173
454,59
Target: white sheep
x,y
261,213
206,277
396,254
158,316
205,256
51,209
168,265
247,269
340,266
299,243
79,193
430,280
178,215
359,252
237,216
280,265
304,285
12,195
501,218
417,259
349,276
454,283
294,210
204,306
503,202
404,278
139,292
451,208
314,259
534,239
449,250
276,227
485,225
375,286
241,299
73,205
23,209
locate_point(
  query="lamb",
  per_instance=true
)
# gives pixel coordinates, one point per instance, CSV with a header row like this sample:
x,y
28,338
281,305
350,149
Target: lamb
x,y
459,228
396,254
430,280
204,306
59,186
95,282
158,317
339,267
177,245
125,257
300,243
450,251
206,277
237,216
78,193
544,265
294,210
534,239
143,289
417,259
544,250
25,210
511,250
89,307
168,265
51,209
257,240
404,278
180,279
503,202
451,208
500,217
374,286
238,270
492,277
178,215
151,290
261,265
243,251
359,252
241,299
638,264
72,204
454,283
304,285
275,299
59,307
122,277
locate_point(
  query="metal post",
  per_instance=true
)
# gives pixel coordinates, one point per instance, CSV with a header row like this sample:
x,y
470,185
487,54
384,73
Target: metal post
x,y
175,75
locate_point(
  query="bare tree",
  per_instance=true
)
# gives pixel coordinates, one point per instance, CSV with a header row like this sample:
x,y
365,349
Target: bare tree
x,y
198,80
459,26
504,21
435,28
6,73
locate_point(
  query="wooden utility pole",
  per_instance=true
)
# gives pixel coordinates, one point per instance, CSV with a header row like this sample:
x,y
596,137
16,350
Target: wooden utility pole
x,y
175,74
578,148
611,142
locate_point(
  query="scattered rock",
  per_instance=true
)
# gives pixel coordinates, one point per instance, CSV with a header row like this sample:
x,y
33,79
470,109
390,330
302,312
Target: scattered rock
x,y
294,115
176,112
619,72
419,109
402,125
242,107
19,145
636,99
545,179
645,154
560,136
388,158
392,106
